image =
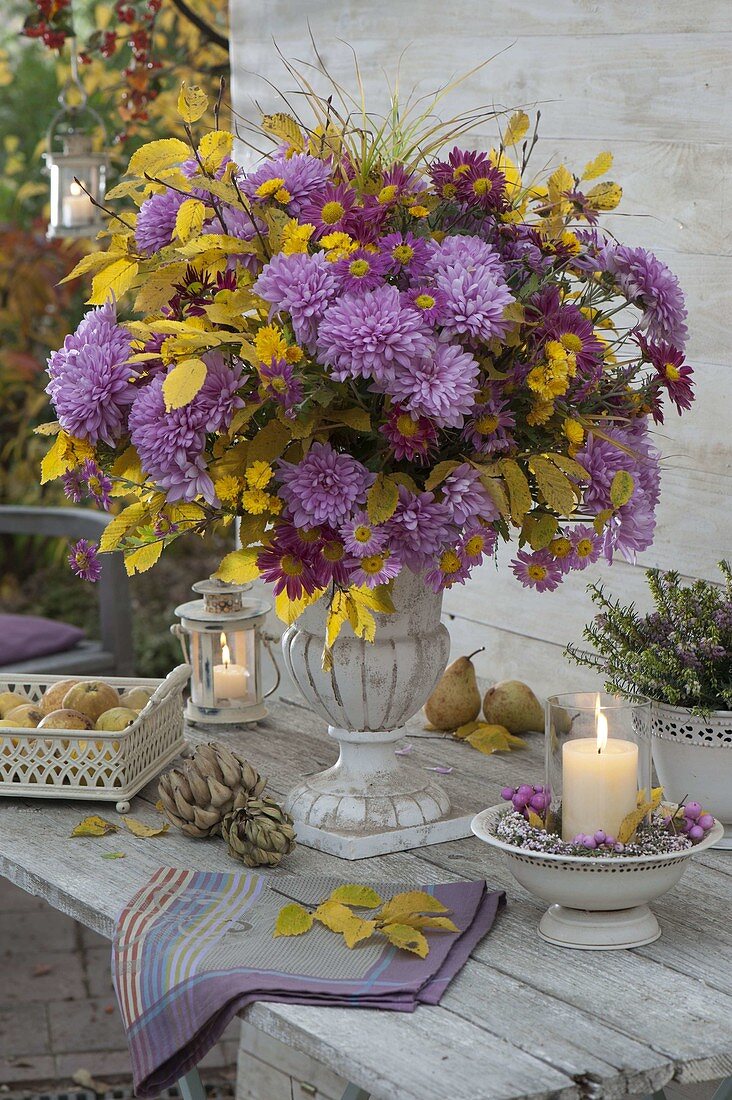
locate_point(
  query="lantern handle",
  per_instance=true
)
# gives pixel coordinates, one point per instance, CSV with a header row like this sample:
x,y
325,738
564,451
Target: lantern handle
x,y
179,631
267,640
74,80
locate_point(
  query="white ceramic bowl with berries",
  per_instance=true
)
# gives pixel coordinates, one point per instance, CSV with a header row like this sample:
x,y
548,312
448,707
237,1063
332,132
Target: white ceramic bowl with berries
x,y
597,902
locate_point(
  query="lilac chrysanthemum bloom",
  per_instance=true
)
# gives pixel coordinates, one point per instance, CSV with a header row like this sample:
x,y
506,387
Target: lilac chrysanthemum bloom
x,y
586,546
441,386
649,284
520,248
98,485
538,570
576,335
361,270
446,174
302,285
279,382
90,384
466,498
411,437
489,426
330,563
449,568
482,186
370,335
474,303
170,444
405,253
324,487
74,486
361,537
476,543
288,570
428,301
301,174
156,217
84,560
466,252
375,569
328,209
419,528
672,372
237,222
217,400
399,183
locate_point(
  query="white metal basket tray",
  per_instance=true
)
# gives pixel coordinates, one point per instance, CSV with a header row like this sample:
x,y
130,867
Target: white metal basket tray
x,y
92,764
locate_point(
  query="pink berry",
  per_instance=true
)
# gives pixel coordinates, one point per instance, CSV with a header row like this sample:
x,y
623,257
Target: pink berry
x,y
692,810
520,801
706,821
600,836
696,832
610,841
578,839
538,803
527,791
619,847
507,793
589,842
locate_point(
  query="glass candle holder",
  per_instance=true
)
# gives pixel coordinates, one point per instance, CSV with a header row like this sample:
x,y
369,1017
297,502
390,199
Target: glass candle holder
x,y
598,757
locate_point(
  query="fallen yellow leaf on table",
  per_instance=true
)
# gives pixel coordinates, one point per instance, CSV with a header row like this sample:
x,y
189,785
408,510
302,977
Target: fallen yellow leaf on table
x,y
139,828
94,826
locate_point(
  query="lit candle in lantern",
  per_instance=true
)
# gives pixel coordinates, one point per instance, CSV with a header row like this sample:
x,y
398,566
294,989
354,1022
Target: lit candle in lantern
x,y
230,680
599,781
77,208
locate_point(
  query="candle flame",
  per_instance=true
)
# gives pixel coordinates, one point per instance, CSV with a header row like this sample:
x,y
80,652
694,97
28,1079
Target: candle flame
x,y
225,653
600,725
75,188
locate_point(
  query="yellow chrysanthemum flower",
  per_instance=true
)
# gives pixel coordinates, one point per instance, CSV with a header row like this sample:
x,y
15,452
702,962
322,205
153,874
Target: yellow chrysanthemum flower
x,y
338,245
259,475
573,431
269,187
551,379
295,237
228,489
418,211
270,343
294,354
540,412
255,501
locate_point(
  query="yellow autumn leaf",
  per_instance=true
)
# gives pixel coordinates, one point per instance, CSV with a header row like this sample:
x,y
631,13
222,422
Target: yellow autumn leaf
x,y
570,466
284,127
519,493
355,418
240,566
494,486
408,939
131,517
337,617
555,487
518,126
139,828
92,262
289,610
439,473
417,920
113,281
142,558
333,914
560,181
604,196
189,218
151,158
410,903
293,920
382,499
269,443
621,488
489,738
354,894
94,826
157,288
602,163
59,458
192,102
213,147
534,820
51,428
222,243
183,382
126,473
375,599
539,530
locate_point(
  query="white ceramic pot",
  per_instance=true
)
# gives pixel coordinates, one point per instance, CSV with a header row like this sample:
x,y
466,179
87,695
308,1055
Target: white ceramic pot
x,y
693,760
596,903
372,689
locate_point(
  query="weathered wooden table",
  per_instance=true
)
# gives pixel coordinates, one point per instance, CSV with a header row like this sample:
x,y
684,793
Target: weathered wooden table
x,y
522,1019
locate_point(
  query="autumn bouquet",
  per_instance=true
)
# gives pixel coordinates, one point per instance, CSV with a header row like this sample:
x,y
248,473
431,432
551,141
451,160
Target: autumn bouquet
x,y
378,351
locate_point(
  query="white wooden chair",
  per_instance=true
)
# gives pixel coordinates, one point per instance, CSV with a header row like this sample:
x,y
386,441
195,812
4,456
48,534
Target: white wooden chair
x,y
113,653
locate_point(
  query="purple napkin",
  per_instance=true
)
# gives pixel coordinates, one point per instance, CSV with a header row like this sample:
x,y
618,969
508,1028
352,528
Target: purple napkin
x,y
191,949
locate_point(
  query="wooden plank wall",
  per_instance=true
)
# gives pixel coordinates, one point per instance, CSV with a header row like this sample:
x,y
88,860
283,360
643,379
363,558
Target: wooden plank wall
x,y
651,82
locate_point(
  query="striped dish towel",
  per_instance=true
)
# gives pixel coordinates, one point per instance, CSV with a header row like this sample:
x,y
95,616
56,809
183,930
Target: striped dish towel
x,y
191,949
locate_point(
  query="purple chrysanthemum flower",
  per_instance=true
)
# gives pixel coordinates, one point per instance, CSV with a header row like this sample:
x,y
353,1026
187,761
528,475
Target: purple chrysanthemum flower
x,y
474,303
419,528
476,543
98,485
324,487
538,570
674,375
217,400
302,176
466,252
449,568
586,547
304,286
428,301
329,209
446,174
482,186
288,569
330,563
361,270
370,335
410,436
375,569
90,378
74,486
279,382
361,537
489,425
466,498
405,253
649,284
155,223
576,335
84,560
399,183
441,386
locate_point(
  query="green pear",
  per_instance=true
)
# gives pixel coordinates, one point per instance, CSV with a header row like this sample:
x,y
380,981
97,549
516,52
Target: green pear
x,y
26,716
135,698
513,704
456,699
116,719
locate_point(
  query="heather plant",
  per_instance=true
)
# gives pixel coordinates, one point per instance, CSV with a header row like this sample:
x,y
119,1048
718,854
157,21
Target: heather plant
x,y
679,653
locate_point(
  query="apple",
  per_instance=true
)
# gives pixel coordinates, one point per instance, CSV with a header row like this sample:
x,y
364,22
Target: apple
x,y
26,716
92,698
9,700
65,719
116,719
53,696
135,698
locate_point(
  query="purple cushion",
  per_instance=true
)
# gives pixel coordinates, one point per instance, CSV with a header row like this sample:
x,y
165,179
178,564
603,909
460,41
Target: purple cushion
x,y
23,637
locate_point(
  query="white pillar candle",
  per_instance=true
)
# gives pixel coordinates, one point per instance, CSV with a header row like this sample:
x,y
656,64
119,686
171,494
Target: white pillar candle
x,y
76,208
599,782
229,680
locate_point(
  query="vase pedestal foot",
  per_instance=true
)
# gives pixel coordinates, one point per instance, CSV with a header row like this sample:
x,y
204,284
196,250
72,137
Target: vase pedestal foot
x,y
611,930
372,802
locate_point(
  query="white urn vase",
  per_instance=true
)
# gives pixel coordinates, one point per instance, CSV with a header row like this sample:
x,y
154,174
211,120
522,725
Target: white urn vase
x,y
372,801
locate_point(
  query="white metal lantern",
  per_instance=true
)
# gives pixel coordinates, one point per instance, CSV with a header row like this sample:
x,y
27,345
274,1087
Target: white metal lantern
x,y
78,173
221,637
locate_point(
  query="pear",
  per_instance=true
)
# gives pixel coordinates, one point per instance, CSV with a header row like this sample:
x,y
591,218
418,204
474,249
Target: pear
x,y
91,697
456,699
62,719
116,719
513,704
135,698
9,700
26,716
53,696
